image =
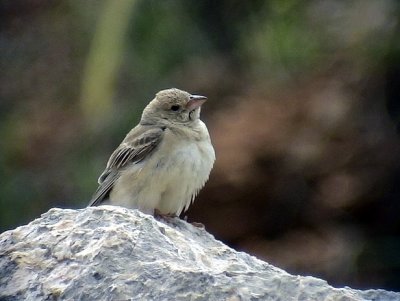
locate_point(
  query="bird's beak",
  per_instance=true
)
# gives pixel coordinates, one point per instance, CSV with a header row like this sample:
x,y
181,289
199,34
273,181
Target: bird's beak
x,y
195,101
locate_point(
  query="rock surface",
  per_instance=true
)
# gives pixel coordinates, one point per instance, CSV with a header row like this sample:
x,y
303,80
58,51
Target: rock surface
x,y
112,253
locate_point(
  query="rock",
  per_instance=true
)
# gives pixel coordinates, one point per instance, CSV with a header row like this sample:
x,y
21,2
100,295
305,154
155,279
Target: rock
x,y
113,253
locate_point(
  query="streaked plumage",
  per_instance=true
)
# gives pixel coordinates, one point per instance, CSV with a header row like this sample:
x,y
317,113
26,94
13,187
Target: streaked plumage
x,y
164,161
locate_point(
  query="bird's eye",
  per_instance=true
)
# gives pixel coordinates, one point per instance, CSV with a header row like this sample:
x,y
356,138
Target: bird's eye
x,y
175,108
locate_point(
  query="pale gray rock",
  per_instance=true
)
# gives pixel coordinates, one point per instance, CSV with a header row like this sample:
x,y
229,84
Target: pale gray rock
x,y
113,253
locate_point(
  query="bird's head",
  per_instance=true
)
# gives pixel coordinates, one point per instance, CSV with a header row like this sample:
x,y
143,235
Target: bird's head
x,y
173,106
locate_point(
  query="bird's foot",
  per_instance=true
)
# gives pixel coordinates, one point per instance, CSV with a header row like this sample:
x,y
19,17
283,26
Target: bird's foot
x,y
167,217
195,224
198,225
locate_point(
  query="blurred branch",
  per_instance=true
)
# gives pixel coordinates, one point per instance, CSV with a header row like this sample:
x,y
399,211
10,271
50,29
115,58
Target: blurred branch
x,y
104,60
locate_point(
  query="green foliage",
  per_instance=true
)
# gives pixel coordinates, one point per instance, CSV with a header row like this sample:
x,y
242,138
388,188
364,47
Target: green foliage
x,y
163,36
279,42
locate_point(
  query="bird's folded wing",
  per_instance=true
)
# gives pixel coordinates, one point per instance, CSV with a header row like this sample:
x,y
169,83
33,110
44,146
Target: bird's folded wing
x,y
136,147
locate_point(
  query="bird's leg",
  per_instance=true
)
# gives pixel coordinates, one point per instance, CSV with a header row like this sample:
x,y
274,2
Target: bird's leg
x,y
196,224
168,216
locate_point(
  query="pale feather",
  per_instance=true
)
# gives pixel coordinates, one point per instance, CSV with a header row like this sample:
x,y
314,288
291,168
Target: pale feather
x,y
170,178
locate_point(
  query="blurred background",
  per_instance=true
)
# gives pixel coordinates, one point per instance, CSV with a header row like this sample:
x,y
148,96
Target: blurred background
x,y
303,110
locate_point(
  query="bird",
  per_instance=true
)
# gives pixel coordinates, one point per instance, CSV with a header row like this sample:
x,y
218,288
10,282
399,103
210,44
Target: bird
x,y
163,162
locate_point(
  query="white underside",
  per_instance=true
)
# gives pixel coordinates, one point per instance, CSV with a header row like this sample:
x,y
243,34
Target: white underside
x,y
169,179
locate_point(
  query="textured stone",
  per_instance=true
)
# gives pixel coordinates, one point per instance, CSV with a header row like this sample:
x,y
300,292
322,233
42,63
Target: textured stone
x,y
112,253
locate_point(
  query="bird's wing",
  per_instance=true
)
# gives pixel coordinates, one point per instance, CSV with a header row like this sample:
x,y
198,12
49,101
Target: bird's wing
x,y
137,145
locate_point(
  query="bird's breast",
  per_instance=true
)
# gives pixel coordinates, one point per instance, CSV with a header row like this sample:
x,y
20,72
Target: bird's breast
x,y
185,158
182,170
169,178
